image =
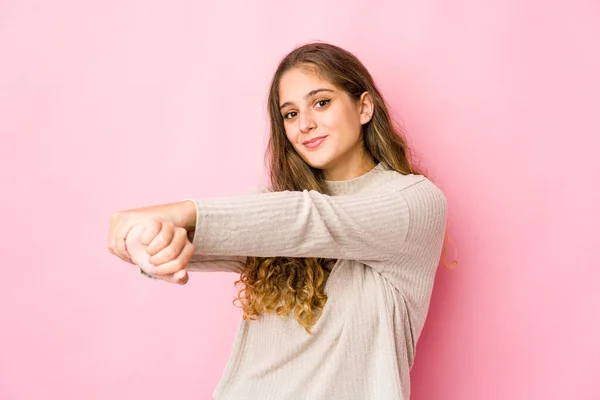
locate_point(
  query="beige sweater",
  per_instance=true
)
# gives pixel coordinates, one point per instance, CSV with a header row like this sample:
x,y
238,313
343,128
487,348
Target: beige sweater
x,y
386,230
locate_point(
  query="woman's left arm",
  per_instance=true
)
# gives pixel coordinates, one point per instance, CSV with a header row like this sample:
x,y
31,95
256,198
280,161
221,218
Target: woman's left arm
x,y
210,263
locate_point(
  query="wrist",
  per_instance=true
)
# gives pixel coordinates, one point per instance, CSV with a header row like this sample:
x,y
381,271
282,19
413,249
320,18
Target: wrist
x,y
189,214
183,214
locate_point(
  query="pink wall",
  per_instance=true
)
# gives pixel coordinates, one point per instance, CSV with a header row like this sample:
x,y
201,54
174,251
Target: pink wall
x,y
111,105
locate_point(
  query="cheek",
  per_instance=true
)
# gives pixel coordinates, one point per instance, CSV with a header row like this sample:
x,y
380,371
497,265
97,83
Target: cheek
x,y
343,125
291,134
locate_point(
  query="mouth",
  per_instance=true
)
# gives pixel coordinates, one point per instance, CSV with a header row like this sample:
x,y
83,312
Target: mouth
x,y
314,142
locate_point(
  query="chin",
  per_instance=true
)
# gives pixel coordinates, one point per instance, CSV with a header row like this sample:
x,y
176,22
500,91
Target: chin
x,y
318,162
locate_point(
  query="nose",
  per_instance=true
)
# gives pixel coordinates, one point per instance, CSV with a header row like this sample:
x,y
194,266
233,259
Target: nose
x,y
307,122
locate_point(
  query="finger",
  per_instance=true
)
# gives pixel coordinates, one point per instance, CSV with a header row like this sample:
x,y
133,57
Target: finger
x,y
173,250
120,248
179,263
169,268
151,229
116,245
111,234
163,239
181,277
125,253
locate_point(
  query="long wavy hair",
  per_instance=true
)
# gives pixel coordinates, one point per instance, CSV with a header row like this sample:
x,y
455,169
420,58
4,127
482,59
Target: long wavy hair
x,y
280,285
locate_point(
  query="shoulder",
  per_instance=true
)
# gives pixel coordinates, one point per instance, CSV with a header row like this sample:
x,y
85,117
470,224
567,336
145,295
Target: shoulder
x,y
418,190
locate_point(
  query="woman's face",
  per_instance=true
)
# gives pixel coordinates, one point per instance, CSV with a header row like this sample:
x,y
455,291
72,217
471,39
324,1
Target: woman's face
x,y
323,123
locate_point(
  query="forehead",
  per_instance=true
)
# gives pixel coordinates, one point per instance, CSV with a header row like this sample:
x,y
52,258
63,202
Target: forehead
x,y
297,82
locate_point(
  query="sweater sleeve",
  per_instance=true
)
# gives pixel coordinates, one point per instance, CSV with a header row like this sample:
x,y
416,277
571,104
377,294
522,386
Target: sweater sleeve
x,y
363,226
204,263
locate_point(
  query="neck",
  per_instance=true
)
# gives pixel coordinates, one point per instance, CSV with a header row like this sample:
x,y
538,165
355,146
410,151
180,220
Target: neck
x,y
350,170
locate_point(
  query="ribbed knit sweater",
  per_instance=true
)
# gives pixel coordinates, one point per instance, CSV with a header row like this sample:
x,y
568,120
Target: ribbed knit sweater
x,y
385,230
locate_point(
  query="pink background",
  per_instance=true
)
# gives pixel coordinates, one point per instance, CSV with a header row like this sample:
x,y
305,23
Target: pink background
x,y
120,104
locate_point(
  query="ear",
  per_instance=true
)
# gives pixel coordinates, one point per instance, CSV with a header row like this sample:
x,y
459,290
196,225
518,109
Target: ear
x,y
365,108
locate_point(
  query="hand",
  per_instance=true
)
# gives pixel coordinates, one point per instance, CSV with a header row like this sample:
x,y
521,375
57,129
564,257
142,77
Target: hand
x,y
168,247
161,250
181,214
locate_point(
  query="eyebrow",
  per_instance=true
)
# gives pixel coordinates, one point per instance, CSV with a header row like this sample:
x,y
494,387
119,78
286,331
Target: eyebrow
x,y
309,94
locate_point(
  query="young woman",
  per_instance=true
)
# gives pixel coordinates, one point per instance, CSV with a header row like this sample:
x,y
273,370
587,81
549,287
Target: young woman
x,y
336,260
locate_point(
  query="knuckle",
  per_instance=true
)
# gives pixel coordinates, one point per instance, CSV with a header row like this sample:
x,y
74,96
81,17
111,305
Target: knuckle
x,y
150,225
189,250
161,242
116,216
151,235
170,253
168,225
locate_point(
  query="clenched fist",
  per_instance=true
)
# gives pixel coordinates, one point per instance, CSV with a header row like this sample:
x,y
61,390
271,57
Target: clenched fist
x,y
161,250
168,224
181,214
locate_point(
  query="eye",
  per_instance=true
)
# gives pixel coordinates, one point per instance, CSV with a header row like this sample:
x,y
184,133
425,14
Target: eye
x,y
323,103
289,115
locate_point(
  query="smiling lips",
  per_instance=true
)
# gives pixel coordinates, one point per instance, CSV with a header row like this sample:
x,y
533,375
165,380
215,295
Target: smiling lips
x,y
314,142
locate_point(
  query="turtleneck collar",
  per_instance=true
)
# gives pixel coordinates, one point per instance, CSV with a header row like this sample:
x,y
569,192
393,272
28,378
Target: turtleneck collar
x,y
355,184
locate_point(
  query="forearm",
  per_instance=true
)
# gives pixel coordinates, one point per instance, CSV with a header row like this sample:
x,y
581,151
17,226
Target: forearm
x,y
367,226
201,263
